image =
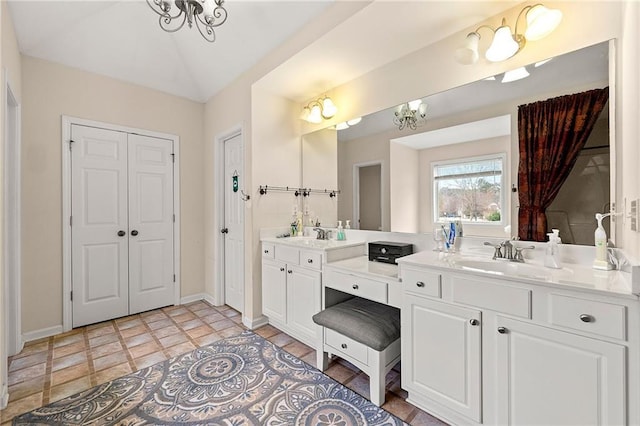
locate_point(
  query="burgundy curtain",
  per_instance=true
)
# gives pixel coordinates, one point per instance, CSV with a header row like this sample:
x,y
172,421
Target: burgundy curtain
x,y
551,135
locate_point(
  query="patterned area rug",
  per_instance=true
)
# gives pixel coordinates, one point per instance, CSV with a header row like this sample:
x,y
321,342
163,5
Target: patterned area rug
x,y
242,380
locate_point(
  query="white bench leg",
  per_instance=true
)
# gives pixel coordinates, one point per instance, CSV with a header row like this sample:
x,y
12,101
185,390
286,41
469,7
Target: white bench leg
x,y
322,358
377,378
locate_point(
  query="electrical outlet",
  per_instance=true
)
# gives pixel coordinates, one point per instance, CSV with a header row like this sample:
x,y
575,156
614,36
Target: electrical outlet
x,y
633,215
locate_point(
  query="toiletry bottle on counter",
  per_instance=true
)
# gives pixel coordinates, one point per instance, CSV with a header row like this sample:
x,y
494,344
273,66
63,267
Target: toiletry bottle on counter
x,y
552,253
348,225
600,237
340,232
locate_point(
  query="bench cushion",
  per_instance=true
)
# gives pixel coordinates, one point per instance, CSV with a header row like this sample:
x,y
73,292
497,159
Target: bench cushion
x,y
370,323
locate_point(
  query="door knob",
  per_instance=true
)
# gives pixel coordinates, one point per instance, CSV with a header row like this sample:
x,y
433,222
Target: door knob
x,y
121,233
225,230
134,232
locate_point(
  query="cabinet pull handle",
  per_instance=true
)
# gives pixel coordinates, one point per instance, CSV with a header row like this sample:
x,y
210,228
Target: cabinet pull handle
x,y
502,330
474,321
134,232
281,269
586,318
420,284
343,346
309,260
121,233
355,286
290,271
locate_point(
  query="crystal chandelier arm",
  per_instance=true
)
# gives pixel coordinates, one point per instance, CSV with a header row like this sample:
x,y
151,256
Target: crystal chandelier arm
x,y
165,21
162,8
208,32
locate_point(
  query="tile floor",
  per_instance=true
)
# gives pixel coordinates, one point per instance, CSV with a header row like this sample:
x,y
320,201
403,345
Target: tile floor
x,y
55,367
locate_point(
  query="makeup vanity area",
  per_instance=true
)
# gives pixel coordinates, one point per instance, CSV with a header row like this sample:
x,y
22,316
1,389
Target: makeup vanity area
x,y
483,341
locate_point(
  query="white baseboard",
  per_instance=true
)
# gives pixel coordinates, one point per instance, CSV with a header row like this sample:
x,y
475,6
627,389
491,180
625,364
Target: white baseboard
x,y
192,298
209,299
39,334
4,397
255,323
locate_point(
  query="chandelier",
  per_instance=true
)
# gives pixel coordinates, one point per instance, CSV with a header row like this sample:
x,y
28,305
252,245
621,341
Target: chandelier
x,y
207,14
411,114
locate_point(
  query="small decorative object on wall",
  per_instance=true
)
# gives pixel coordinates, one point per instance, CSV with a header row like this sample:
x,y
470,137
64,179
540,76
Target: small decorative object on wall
x,y
207,15
235,181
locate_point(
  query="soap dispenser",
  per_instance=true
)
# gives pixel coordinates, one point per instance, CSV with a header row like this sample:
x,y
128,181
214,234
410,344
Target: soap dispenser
x,y
340,231
552,253
600,237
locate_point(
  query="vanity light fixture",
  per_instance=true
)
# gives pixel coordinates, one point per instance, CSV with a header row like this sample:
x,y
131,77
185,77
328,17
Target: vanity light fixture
x,y
206,14
515,75
316,111
541,21
411,114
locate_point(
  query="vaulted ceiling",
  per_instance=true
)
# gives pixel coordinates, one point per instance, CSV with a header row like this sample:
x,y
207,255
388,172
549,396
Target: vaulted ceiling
x,y
122,40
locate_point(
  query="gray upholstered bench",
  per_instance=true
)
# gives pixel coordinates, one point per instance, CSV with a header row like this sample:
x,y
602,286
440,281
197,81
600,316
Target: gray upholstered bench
x,y
365,333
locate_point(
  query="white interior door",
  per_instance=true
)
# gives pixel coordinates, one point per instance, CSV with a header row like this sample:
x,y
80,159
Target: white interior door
x,y
234,223
99,225
151,269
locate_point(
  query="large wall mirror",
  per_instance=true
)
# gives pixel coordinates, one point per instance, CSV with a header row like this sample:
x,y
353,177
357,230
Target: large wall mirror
x,y
396,180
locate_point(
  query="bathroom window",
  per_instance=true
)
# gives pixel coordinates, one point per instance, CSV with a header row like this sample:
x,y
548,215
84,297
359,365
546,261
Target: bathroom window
x,y
470,189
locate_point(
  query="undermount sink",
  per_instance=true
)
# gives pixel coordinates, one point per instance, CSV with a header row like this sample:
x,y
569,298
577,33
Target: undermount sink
x,y
498,267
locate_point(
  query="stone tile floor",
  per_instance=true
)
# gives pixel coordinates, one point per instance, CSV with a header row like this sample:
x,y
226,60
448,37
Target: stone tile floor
x,y
55,367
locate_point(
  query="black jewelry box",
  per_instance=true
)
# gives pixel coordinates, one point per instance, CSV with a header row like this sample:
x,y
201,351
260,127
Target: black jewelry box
x,y
388,252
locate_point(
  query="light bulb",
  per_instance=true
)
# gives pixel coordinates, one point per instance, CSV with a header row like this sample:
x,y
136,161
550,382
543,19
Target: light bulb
x,y
413,105
315,116
342,126
541,22
514,75
503,45
354,121
328,108
207,10
468,53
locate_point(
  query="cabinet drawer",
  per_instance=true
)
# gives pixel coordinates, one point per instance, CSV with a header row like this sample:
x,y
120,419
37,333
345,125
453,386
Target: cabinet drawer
x,y
287,254
310,259
423,283
496,297
604,319
345,346
358,286
268,251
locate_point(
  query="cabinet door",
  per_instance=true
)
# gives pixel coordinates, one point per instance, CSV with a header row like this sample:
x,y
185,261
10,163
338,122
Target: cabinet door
x,y
546,376
441,350
274,290
303,295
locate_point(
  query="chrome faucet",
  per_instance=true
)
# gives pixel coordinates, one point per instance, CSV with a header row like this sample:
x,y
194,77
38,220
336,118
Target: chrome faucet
x,y
506,250
323,234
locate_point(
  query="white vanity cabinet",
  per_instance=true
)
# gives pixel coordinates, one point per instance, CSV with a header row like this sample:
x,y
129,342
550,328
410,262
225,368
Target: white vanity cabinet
x,y
483,350
291,286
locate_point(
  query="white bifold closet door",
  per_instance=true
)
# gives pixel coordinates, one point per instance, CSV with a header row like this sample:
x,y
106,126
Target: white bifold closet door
x,y
122,224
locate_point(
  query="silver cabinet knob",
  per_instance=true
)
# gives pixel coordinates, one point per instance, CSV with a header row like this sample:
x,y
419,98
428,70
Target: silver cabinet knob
x,y
474,321
281,269
343,346
586,318
309,260
420,284
502,330
290,271
266,252
355,286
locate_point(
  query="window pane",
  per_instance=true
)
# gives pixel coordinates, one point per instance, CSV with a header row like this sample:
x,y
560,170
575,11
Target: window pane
x,y
470,191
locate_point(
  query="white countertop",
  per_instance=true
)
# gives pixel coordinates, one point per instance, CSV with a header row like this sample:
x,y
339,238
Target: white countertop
x,y
573,276
311,243
362,266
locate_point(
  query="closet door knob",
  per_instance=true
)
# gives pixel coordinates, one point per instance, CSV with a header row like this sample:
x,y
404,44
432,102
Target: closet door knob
x,y
134,232
121,233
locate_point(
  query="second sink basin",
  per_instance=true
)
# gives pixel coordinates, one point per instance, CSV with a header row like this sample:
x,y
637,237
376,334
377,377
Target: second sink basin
x,y
498,267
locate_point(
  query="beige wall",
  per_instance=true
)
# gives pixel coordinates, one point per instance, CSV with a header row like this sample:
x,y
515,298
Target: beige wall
x,y
320,171
11,66
50,91
404,188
